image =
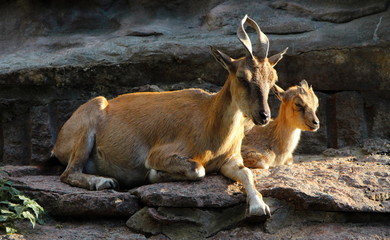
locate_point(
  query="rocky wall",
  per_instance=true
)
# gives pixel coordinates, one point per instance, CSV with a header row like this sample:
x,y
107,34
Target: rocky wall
x,y
55,55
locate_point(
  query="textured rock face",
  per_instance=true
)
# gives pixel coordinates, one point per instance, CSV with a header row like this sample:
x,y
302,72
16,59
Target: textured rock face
x,y
60,199
57,55
340,184
224,193
345,184
185,223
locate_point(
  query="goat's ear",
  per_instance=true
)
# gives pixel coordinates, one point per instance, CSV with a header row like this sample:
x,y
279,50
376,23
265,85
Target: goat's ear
x,y
273,60
304,84
222,58
278,92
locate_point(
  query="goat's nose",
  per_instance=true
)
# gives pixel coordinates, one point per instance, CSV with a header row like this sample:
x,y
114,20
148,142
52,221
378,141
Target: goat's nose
x,y
264,116
316,122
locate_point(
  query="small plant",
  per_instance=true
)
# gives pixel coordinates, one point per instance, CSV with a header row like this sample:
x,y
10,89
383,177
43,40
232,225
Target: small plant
x,y
14,206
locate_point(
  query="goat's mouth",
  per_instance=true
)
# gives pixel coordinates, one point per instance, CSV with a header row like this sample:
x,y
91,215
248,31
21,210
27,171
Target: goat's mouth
x,y
313,128
260,122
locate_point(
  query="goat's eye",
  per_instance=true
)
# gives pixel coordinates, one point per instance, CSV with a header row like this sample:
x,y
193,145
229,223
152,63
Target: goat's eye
x,y
300,107
241,79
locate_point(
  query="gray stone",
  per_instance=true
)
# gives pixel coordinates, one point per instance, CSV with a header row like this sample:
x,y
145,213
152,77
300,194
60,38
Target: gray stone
x,y
272,22
20,171
340,184
42,133
15,133
75,229
185,223
212,191
350,119
376,146
60,199
309,231
377,108
332,11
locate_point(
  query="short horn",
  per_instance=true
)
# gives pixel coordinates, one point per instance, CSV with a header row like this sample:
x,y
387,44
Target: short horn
x,y
244,38
263,45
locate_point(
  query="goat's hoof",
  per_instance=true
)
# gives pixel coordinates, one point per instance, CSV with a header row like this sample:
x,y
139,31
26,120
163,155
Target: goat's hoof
x,y
100,183
259,209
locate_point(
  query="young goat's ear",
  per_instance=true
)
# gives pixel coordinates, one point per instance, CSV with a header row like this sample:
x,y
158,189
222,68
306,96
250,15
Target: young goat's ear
x,y
273,60
278,92
222,58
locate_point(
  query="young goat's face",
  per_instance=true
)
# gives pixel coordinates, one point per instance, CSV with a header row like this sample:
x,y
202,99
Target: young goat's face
x,y
300,105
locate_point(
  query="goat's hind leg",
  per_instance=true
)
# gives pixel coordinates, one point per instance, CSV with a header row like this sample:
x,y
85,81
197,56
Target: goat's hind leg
x,y
75,143
73,173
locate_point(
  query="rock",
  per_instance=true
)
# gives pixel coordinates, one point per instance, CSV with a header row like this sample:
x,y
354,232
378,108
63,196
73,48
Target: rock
x,y
377,114
323,185
147,88
316,230
272,22
336,12
60,199
20,171
341,184
342,69
343,152
376,146
63,110
15,130
77,229
185,223
351,128
42,133
223,193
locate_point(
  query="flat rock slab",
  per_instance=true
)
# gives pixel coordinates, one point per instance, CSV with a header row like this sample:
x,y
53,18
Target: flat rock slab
x,y
338,184
341,184
212,191
61,199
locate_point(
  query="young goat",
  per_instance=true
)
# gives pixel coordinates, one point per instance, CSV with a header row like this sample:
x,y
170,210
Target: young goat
x,y
172,136
274,144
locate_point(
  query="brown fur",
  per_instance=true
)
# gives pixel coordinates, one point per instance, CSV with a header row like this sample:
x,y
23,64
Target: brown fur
x,y
274,144
169,136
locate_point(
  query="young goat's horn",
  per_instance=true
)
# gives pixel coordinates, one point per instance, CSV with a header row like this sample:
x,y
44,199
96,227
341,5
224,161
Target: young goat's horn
x,y
263,44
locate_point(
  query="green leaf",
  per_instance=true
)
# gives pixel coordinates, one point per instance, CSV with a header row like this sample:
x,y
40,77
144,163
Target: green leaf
x,y
3,218
19,209
38,210
30,217
10,230
5,211
5,202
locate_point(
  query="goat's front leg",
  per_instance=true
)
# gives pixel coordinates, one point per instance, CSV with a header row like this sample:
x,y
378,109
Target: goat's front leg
x,y
166,166
235,170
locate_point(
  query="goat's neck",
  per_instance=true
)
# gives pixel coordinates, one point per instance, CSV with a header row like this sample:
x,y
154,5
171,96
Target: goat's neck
x,y
225,119
286,135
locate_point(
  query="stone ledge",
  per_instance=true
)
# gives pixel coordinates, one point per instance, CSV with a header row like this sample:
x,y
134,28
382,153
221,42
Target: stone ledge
x,y
345,184
60,199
